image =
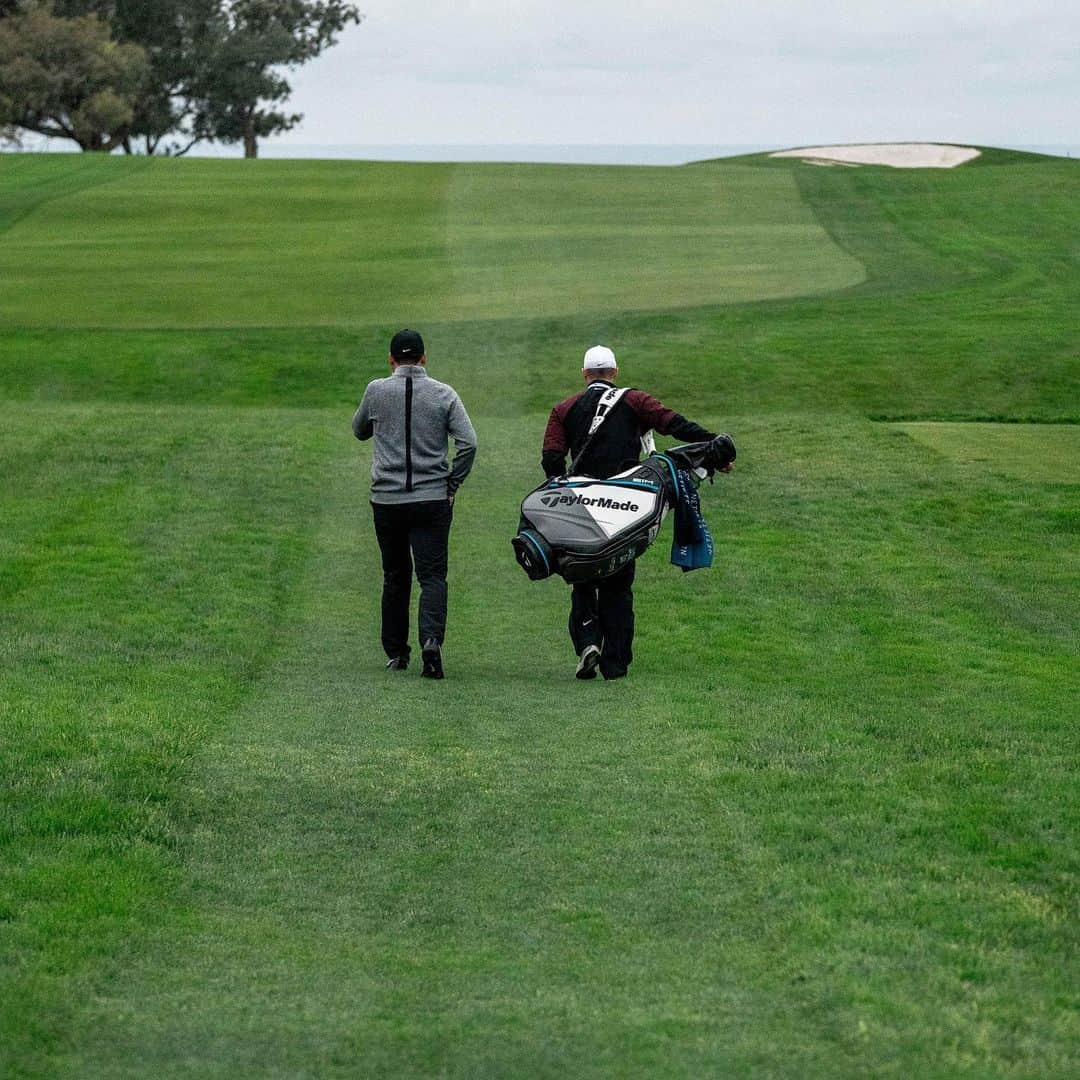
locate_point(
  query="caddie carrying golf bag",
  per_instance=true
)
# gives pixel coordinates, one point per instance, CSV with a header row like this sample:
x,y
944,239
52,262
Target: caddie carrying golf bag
x,y
584,529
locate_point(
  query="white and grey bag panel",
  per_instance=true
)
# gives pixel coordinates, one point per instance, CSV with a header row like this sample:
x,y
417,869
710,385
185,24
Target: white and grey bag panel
x,y
584,528
584,514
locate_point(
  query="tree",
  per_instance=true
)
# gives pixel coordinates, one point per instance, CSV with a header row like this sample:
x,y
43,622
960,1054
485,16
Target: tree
x,y
158,75
8,132
179,38
67,78
255,39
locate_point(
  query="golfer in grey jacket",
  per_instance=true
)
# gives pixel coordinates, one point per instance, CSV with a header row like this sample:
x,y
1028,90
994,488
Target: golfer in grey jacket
x,y
412,416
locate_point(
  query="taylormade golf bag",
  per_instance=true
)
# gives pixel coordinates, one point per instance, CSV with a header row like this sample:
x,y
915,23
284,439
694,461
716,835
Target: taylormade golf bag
x,y
583,528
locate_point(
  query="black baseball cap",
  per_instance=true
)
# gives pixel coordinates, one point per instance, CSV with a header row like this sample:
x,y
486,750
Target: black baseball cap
x,y
406,345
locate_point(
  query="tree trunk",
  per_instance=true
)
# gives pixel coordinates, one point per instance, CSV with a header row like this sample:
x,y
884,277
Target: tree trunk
x,y
251,145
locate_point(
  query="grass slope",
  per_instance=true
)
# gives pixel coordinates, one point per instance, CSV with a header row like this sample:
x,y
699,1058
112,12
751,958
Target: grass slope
x,y
828,827
968,312
341,243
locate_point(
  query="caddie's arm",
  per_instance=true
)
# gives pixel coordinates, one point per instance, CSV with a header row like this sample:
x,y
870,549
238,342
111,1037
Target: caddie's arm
x,y
553,456
655,415
459,428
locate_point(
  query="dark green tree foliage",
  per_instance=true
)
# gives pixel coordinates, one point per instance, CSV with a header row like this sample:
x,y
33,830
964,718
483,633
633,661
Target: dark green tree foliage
x,y
67,77
178,37
8,132
256,39
167,74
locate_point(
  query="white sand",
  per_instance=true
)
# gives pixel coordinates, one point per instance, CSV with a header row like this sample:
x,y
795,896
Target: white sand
x,y
898,155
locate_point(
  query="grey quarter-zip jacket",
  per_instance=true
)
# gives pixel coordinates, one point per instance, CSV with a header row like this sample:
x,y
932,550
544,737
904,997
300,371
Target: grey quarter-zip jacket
x,y
412,416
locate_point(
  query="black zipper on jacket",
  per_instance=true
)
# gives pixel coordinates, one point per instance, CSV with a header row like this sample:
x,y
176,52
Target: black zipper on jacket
x,y
408,433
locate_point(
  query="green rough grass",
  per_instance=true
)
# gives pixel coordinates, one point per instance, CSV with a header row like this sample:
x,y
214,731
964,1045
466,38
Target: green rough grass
x,y
145,556
828,827
29,180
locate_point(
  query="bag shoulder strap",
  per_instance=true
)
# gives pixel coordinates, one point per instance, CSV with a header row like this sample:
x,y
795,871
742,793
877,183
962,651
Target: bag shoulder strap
x,y
608,400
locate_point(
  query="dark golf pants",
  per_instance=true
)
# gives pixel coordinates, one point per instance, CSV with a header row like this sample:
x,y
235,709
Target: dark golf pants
x,y
411,533
602,613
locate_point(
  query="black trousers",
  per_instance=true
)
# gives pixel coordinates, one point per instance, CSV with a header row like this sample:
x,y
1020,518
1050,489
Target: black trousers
x,y
602,613
413,532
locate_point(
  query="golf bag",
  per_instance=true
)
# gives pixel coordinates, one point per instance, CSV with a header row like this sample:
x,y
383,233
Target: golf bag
x,y
584,529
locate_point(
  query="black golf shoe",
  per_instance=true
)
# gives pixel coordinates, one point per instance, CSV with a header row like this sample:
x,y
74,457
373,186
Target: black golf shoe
x,y
397,663
432,655
590,657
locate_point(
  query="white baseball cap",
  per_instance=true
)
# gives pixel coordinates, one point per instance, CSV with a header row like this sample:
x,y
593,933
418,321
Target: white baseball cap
x,y
599,357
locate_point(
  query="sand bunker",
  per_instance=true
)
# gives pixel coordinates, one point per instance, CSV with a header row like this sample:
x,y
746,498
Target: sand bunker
x,y
898,155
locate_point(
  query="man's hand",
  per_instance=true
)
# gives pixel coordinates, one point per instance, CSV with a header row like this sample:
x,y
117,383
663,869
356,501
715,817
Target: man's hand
x,y
722,450
450,500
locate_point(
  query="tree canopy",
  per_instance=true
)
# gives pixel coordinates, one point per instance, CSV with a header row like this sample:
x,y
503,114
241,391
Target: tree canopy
x,y
68,78
254,41
158,76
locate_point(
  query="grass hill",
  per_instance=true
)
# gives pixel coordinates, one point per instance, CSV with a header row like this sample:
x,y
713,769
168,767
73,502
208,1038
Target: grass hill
x,y
829,825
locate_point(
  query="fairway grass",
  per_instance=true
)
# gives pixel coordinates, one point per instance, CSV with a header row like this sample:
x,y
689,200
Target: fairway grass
x,y
828,827
145,554
341,243
1050,453
830,799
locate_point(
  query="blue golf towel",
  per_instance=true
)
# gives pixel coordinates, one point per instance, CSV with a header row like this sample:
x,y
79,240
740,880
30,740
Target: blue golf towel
x,y
692,547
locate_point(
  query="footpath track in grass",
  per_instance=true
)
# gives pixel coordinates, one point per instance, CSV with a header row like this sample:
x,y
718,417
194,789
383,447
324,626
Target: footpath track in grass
x,y
829,826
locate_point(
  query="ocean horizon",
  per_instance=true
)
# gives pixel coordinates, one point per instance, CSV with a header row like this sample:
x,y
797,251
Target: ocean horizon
x,y
524,153
511,153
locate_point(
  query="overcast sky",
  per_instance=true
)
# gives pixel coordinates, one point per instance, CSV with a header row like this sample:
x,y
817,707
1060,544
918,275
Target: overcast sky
x,y
781,72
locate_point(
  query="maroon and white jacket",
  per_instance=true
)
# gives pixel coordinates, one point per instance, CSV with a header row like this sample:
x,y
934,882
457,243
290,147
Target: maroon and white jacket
x,y
617,444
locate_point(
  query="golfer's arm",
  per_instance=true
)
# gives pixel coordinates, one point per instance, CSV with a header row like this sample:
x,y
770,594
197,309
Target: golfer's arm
x,y
463,433
362,424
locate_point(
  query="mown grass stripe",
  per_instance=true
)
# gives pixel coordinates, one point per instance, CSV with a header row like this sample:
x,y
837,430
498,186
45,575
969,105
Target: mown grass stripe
x,y
27,181
201,243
